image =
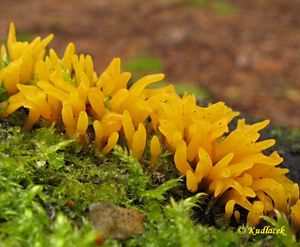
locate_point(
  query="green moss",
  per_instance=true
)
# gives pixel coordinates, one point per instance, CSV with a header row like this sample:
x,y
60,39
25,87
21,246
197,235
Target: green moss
x,y
144,64
289,238
194,89
224,8
289,137
220,7
25,36
41,173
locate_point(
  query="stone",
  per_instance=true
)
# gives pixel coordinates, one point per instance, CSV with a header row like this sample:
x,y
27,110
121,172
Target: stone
x,y
116,222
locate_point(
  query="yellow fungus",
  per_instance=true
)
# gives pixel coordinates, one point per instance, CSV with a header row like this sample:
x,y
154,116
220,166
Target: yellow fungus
x,y
139,86
255,212
122,81
41,71
230,165
191,181
33,117
68,118
39,99
89,68
98,128
67,57
205,162
53,91
154,150
53,59
118,98
60,83
220,169
111,143
139,141
111,122
11,40
96,100
128,128
76,102
82,123
11,77
295,216
180,158
109,78
229,209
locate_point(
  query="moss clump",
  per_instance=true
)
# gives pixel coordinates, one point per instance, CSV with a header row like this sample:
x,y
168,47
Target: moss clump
x,y
48,182
287,137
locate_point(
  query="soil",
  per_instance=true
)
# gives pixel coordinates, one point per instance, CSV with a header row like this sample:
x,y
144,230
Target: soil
x,y
246,53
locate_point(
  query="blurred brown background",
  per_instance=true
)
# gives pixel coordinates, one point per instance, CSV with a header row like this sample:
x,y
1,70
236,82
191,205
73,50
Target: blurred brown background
x,y
246,53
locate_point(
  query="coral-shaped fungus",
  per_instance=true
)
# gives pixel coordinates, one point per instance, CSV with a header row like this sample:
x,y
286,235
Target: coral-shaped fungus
x,y
229,165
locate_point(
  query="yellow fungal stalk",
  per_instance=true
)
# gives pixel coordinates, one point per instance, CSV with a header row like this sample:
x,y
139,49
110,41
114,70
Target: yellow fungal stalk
x,y
98,129
229,165
295,215
111,143
23,57
154,150
139,141
82,123
255,212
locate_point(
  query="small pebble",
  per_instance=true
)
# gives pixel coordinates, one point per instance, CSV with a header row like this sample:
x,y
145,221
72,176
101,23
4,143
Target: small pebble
x,y
116,222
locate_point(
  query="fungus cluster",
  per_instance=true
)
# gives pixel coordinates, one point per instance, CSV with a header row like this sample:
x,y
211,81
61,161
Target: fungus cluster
x,y
229,165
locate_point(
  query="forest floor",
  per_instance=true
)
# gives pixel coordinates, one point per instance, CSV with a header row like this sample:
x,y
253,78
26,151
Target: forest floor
x,y
246,53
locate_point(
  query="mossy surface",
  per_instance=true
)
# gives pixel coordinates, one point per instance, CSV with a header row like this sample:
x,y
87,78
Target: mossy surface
x,y
47,183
